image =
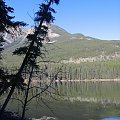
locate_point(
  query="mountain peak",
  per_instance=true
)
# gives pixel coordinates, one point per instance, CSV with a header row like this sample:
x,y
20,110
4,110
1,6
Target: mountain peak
x,y
55,34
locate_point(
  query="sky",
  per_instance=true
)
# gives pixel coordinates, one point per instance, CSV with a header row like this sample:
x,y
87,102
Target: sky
x,y
94,18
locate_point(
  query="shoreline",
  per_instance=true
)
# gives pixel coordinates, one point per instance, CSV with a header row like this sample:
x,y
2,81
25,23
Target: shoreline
x,y
86,80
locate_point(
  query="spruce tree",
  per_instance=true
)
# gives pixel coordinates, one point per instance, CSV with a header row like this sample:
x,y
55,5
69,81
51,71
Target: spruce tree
x,y
33,50
6,21
7,25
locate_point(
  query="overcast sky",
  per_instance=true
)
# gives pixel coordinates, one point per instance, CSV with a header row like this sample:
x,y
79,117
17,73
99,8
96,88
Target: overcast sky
x,y
95,18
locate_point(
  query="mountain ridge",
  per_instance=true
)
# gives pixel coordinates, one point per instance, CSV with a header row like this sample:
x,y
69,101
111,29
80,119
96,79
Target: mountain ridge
x,y
53,32
68,47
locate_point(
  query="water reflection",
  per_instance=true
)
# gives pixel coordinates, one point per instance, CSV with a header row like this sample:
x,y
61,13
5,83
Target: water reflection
x,y
66,110
117,118
92,101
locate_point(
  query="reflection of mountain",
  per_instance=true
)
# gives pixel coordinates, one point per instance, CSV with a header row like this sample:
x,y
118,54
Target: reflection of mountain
x,y
69,46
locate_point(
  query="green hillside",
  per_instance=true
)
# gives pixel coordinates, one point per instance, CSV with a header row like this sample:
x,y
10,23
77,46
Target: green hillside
x,y
68,46
78,48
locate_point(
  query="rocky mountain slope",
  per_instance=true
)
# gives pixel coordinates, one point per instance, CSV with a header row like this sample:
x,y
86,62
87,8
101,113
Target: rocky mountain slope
x,y
55,33
69,48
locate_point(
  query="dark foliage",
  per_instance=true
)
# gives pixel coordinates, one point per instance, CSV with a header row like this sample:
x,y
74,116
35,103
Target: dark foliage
x,y
9,26
5,19
6,22
32,51
1,45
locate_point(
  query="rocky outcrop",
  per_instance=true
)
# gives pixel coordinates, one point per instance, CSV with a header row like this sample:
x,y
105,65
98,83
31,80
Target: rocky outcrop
x,y
114,56
45,118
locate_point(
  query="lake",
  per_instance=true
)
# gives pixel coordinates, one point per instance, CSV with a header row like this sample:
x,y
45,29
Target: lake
x,y
78,101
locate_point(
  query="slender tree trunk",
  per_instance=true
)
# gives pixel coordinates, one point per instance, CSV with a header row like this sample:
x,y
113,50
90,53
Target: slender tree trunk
x,y
28,52
13,84
26,96
7,100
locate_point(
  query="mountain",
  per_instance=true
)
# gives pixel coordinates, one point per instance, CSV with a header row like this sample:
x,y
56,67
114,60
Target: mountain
x,y
67,47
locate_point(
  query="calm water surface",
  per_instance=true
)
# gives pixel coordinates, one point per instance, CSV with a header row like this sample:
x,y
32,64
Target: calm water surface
x,y
103,97
65,110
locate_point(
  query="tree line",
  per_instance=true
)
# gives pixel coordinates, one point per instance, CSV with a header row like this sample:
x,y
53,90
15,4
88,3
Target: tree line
x,y
94,70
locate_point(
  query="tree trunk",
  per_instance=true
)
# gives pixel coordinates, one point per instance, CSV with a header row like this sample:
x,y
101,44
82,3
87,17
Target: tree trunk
x,y
16,80
7,100
26,96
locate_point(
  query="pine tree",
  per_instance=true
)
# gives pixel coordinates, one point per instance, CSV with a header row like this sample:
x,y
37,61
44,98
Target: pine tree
x,y
7,25
33,50
6,21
